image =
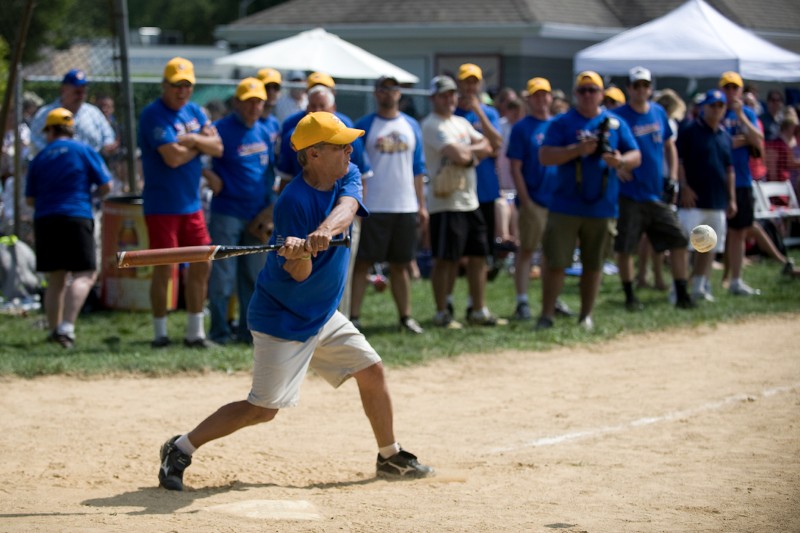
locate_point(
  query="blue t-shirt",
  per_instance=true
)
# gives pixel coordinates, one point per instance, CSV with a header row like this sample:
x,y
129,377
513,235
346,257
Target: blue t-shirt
x,y
287,160
169,191
243,168
524,142
61,176
706,156
488,183
741,155
650,130
597,193
273,126
281,306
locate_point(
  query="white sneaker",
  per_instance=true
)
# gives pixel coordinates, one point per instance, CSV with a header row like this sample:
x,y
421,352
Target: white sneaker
x,y
743,289
586,323
703,296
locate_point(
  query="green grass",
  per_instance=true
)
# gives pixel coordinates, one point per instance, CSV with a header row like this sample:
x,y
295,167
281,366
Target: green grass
x,y
117,342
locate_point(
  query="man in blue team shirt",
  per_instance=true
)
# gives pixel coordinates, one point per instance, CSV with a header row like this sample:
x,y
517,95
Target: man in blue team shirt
x,y
272,81
173,134
60,184
241,199
640,206
590,146
395,198
707,182
531,181
741,123
293,314
486,120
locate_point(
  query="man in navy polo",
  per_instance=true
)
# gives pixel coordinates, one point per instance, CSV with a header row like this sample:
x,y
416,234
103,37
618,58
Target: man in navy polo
x,y
707,182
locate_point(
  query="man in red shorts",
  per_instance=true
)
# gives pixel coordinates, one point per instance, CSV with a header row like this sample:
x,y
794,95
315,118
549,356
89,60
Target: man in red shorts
x,y
174,133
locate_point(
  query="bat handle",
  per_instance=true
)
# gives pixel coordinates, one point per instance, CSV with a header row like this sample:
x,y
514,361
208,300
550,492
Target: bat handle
x,y
345,241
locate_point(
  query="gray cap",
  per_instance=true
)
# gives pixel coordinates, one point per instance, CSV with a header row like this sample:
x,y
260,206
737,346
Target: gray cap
x,y
295,75
442,84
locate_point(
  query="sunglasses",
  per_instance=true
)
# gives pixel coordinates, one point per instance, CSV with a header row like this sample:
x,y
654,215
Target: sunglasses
x,y
640,84
587,90
180,85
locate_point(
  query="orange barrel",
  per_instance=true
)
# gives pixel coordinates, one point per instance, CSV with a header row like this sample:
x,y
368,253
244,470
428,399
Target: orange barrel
x,y
124,229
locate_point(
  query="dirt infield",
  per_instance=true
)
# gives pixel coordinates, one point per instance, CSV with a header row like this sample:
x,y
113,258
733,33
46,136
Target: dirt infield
x,y
690,430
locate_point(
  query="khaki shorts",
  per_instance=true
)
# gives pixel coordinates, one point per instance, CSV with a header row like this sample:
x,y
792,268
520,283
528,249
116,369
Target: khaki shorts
x,y
532,221
593,235
337,352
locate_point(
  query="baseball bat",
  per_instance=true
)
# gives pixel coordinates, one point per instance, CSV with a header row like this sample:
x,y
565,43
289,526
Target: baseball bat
x,y
196,254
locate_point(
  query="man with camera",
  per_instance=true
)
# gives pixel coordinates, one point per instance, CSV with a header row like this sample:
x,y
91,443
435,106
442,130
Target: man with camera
x,y
641,209
590,146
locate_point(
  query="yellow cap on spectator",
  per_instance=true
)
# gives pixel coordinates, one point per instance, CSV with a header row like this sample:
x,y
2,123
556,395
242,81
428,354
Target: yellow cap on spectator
x,y
616,94
250,88
320,78
730,77
589,77
322,127
538,84
179,69
59,117
269,75
469,70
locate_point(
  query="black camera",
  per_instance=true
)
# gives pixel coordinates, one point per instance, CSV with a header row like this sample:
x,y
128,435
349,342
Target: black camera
x,y
603,136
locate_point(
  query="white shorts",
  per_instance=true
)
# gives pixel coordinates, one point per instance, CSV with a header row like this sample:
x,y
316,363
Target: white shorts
x,y
690,217
337,352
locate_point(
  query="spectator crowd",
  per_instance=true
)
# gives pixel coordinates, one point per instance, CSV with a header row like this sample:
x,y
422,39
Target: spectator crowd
x,y
540,182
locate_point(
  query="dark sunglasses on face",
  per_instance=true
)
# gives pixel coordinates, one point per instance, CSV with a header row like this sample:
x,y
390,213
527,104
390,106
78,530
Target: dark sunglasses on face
x,y
587,90
180,85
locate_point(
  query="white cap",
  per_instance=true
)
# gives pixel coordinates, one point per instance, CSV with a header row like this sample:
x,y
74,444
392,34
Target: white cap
x,y
640,74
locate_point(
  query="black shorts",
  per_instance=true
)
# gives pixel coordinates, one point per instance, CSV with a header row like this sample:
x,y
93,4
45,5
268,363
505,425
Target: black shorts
x,y
744,209
656,219
388,237
487,209
455,234
64,243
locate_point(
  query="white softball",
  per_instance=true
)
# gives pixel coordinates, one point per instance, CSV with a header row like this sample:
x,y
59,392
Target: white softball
x,y
703,238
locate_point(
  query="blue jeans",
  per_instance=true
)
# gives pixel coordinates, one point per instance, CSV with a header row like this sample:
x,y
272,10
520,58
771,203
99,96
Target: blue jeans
x,y
240,272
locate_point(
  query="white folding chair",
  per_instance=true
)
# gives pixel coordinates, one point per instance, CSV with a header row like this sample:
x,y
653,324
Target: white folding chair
x,y
768,190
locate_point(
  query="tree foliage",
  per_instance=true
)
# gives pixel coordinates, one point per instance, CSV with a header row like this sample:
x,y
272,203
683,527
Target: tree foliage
x,y
195,20
55,23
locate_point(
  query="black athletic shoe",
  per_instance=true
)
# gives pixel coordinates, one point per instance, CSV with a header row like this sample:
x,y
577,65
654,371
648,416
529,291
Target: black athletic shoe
x,y
161,342
402,465
201,343
173,463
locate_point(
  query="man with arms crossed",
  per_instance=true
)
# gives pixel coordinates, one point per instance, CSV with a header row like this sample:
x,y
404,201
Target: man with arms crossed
x,y
457,227
293,313
173,134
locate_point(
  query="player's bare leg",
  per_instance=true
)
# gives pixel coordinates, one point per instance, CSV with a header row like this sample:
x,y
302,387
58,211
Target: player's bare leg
x,y
229,419
377,403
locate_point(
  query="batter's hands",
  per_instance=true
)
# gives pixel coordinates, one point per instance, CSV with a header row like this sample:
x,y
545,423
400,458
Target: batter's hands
x,y
318,241
293,248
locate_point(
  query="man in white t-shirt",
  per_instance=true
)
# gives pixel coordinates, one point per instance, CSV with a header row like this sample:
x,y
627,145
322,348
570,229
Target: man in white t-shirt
x,y
394,198
452,150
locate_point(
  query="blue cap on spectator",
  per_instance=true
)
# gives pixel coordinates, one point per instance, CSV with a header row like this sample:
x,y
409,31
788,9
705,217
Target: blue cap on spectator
x,y
713,96
75,77
295,75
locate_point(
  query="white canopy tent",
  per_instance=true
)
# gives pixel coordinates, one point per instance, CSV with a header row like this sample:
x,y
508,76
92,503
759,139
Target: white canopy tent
x,y
318,50
692,41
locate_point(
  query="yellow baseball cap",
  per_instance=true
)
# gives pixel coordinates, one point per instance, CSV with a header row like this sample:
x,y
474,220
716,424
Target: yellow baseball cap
x,y
616,94
179,69
322,127
269,75
538,84
320,78
250,88
59,117
468,69
588,77
731,77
